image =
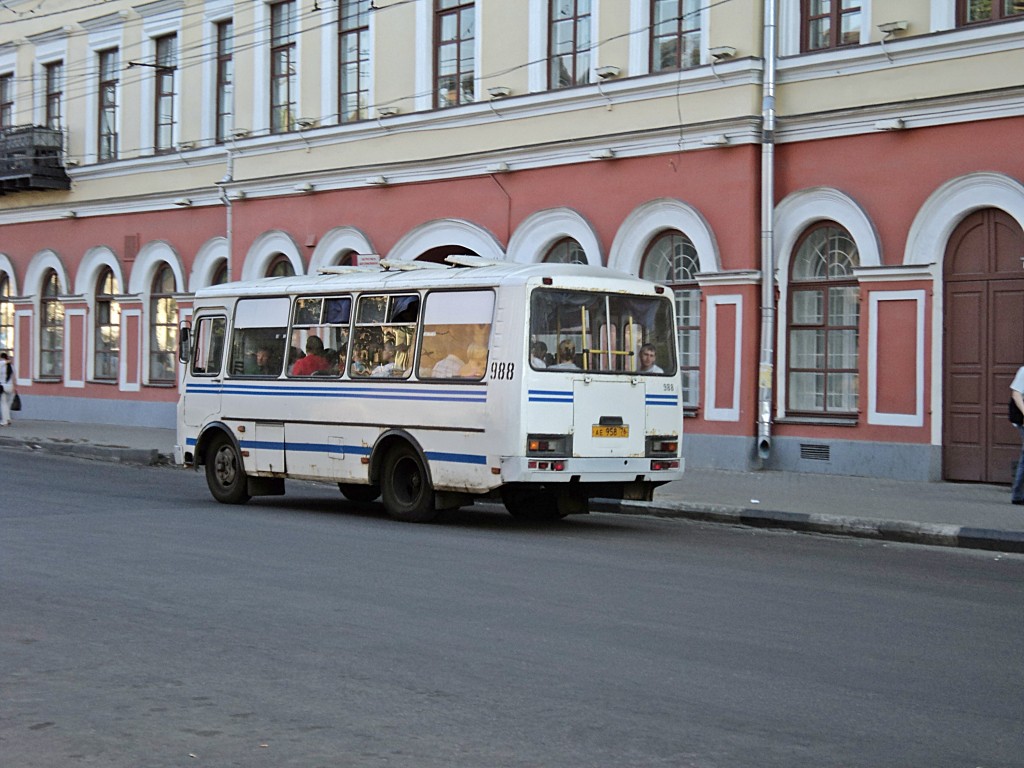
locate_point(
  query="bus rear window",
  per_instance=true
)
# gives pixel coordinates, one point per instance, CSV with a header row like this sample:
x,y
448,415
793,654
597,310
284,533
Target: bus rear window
x,y
601,333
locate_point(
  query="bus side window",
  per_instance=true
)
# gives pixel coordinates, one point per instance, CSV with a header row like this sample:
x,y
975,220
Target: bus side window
x,y
320,334
258,338
456,334
385,336
208,346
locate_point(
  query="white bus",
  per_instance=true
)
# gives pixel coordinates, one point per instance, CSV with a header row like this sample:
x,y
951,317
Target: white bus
x,y
431,385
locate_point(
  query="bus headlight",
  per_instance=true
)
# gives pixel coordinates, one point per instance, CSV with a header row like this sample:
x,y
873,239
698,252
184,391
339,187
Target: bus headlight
x,y
548,445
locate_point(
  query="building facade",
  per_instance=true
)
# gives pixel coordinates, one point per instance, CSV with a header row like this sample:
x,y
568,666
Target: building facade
x,y
833,190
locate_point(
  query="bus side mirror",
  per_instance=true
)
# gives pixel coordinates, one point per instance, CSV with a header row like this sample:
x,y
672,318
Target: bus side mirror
x,y
184,344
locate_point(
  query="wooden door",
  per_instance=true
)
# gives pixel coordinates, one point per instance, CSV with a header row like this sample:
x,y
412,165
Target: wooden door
x,y
983,346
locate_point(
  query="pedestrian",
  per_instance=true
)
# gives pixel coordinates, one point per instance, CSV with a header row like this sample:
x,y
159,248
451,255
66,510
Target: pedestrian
x,y
6,389
1017,394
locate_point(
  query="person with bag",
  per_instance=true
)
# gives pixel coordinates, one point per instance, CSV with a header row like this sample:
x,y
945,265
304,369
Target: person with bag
x,y
1016,414
6,389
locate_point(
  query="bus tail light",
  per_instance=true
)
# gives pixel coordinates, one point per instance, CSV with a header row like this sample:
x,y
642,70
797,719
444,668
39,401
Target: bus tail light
x,y
548,445
659,464
667,445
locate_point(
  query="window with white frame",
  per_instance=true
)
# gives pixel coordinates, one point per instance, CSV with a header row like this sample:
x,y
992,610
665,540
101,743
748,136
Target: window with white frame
x,y
163,110
283,86
823,327
569,43
6,315
6,100
54,76
224,93
107,316
51,328
675,34
108,84
163,326
671,259
566,251
982,11
829,23
354,60
454,52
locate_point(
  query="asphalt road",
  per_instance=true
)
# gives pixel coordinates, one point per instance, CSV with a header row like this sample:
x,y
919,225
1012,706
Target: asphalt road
x,y
144,625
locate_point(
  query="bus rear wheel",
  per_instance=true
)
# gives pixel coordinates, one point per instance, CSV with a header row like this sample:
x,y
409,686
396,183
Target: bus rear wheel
x,y
224,473
405,486
531,503
361,494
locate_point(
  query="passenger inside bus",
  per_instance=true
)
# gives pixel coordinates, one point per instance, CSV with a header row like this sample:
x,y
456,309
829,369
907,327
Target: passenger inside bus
x,y
448,368
538,355
313,361
386,367
648,356
261,364
566,357
477,365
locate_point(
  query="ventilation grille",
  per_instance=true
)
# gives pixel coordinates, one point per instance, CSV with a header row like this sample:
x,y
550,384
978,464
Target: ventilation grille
x,y
815,452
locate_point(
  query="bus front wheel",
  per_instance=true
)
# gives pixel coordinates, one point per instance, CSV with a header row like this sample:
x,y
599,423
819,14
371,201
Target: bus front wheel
x,y
405,486
225,474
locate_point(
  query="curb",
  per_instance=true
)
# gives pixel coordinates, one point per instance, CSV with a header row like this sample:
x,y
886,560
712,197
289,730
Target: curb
x,y
932,534
118,454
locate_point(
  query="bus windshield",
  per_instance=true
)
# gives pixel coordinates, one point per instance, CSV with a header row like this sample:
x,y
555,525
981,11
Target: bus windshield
x,y
601,333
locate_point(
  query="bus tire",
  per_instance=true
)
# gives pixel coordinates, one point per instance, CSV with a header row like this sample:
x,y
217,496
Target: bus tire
x,y
535,504
361,494
225,474
405,486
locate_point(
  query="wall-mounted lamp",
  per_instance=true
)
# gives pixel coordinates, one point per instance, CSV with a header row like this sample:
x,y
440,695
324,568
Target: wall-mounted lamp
x,y
305,123
715,140
183,146
377,181
387,111
892,27
303,187
71,162
183,202
722,52
607,72
239,133
498,168
67,214
237,194
894,124
602,154
499,91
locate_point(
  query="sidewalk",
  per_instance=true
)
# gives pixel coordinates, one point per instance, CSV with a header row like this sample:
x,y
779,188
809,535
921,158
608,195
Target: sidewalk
x,y
946,514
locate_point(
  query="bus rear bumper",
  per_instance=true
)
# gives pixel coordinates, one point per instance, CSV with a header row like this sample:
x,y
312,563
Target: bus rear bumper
x,y
517,469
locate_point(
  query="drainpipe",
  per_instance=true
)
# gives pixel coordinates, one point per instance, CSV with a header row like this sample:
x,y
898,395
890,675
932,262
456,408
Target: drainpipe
x,y
229,176
767,364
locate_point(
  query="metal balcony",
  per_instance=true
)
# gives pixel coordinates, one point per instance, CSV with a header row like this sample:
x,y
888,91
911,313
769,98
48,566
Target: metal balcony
x,y
31,159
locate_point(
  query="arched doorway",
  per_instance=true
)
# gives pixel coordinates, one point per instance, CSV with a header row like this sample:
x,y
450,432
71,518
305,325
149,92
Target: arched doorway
x,y
983,345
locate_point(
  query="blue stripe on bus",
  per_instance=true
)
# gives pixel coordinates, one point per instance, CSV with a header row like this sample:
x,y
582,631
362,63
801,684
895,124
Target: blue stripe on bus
x,y
549,396
662,400
355,450
369,393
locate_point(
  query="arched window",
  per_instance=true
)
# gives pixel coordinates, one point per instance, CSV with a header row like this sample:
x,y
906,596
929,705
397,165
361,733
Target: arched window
x,y
163,326
566,251
220,273
108,327
280,267
824,315
51,328
6,315
671,260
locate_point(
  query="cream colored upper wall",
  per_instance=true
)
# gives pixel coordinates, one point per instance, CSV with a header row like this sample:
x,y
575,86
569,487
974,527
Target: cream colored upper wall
x,y
910,66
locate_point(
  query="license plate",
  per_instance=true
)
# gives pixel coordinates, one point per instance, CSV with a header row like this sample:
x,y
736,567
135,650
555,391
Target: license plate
x,y
598,430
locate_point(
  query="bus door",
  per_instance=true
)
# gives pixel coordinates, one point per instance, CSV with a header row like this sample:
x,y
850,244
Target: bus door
x,y
609,417
204,381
